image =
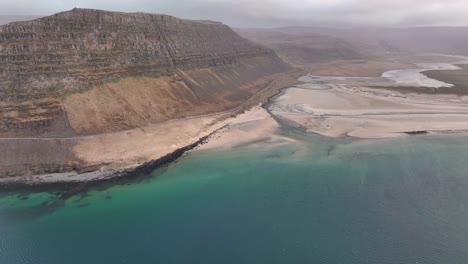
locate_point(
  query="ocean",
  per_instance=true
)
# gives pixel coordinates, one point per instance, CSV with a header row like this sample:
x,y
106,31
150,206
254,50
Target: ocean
x,y
318,200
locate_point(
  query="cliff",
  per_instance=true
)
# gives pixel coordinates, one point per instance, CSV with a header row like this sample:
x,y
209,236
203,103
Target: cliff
x,y
172,67
91,72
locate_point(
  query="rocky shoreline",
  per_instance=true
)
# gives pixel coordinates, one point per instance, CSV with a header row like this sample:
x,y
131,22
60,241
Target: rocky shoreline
x,y
121,147
72,183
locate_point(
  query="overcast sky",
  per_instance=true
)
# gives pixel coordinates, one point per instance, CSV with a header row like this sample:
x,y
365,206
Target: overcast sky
x,y
272,13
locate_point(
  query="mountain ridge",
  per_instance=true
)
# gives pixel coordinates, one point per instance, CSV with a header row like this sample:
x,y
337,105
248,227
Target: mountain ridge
x,y
85,78
377,41
61,58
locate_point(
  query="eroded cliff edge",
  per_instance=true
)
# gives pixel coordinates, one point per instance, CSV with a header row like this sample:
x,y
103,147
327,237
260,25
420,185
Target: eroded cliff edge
x,y
92,72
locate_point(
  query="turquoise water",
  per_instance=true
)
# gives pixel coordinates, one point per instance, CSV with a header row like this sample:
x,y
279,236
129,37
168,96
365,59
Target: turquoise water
x,y
319,201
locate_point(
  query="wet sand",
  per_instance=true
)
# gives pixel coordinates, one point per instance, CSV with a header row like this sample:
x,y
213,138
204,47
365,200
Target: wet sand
x,y
255,125
339,106
343,106
340,112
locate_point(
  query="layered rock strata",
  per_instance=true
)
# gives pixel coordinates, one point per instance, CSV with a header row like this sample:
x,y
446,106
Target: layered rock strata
x,y
88,72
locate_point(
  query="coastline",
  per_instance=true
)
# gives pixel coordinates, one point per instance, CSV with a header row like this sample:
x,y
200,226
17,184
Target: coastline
x,y
77,182
331,112
106,172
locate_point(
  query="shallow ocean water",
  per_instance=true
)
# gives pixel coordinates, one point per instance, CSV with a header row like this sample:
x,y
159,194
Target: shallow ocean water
x,y
321,200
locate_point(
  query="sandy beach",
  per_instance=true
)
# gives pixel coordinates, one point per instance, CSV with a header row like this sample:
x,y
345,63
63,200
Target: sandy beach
x,y
114,155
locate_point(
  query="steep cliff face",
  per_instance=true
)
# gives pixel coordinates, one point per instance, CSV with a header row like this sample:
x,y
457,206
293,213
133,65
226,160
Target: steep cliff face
x,y
88,72
82,50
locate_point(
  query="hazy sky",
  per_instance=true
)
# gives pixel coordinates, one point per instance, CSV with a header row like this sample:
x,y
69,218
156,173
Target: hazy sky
x,y
271,13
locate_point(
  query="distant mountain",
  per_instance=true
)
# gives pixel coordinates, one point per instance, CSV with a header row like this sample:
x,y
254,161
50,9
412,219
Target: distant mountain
x,y
302,48
377,41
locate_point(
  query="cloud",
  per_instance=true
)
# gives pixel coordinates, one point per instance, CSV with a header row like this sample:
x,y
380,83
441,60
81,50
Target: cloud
x,y
271,13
